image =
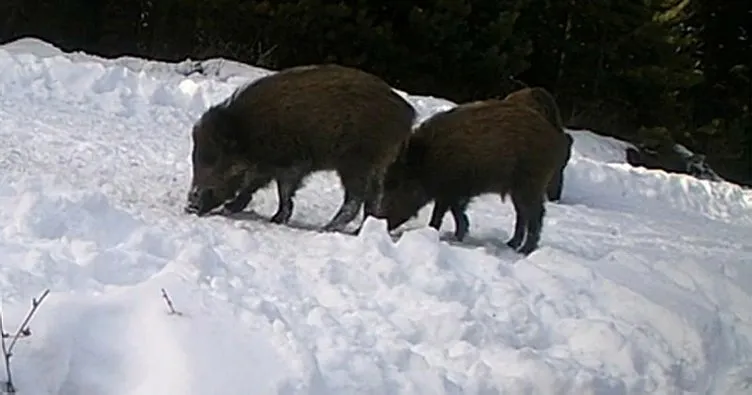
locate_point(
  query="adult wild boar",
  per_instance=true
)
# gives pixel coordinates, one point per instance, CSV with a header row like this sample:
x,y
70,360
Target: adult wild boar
x,y
489,146
289,124
544,102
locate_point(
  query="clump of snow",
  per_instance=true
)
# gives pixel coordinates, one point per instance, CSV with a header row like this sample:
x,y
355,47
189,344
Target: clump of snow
x,y
641,284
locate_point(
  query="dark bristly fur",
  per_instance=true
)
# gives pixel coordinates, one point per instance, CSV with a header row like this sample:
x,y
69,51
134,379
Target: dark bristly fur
x,y
482,147
542,100
287,125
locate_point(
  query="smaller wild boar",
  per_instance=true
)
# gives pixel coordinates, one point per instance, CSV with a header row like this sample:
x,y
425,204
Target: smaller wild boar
x,y
481,147
289,124
542,100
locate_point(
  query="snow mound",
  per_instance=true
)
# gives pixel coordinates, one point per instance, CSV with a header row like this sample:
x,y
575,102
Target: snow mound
x,y
619,186
641,284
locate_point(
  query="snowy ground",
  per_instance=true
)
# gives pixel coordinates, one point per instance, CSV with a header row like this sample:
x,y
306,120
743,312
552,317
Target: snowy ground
x,y
638,287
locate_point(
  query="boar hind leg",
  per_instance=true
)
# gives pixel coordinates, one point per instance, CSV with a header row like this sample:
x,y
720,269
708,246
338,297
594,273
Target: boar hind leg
x,y
374,195
461,222
288,182
520,221
535,211
530,211
555,185
356,188
553,190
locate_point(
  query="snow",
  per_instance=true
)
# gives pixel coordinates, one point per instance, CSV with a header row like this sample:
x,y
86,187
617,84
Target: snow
x,y
641,284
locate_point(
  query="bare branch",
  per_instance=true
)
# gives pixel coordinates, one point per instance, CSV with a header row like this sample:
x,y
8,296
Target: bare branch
x,y
22,331
169,303
8,385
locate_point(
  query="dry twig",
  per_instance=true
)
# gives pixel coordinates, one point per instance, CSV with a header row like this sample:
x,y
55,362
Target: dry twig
x,y
169,303
22,331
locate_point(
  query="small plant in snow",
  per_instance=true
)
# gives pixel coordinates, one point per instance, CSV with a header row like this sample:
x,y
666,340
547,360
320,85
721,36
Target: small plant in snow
x,y
23,331
169,303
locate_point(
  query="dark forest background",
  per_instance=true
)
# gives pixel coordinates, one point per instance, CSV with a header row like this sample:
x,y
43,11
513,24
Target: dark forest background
x,y
646,71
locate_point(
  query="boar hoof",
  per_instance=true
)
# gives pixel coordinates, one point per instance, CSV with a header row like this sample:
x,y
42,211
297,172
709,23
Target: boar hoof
x,y
514,243
227,211
281,217
230,208
333,227
527,249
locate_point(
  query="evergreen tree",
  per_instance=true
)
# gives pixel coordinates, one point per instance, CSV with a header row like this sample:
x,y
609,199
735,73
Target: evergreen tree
x,y
613,63
722,104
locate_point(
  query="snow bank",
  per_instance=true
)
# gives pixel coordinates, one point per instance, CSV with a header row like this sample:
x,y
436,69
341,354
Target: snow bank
x,y
640,284
217,68
619,186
